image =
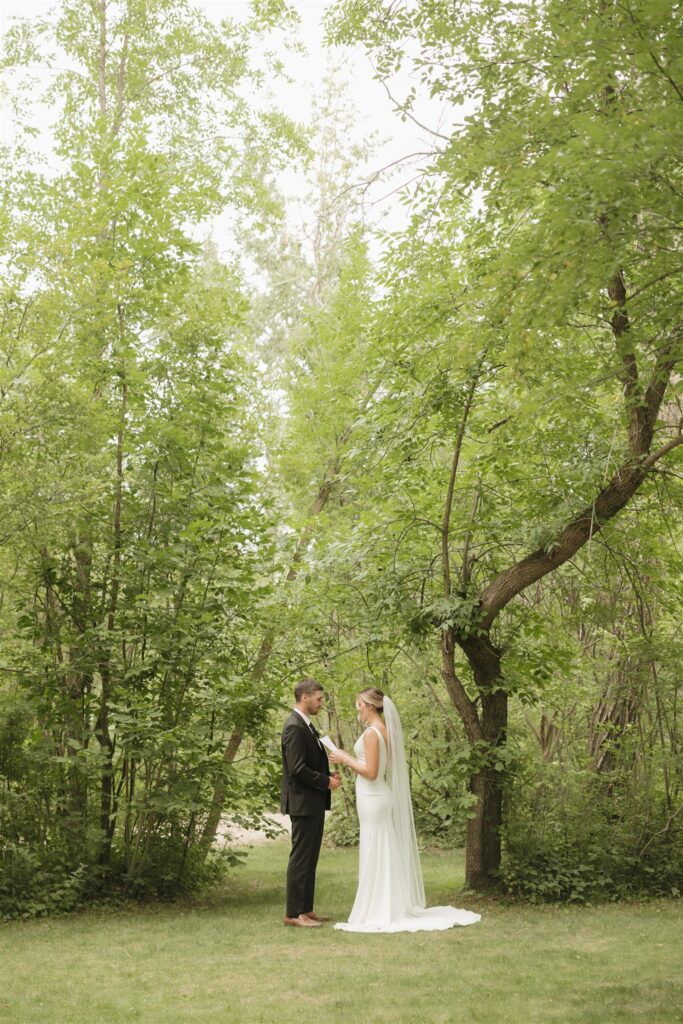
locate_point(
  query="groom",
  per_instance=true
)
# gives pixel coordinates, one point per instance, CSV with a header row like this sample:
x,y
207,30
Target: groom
x,y
305,796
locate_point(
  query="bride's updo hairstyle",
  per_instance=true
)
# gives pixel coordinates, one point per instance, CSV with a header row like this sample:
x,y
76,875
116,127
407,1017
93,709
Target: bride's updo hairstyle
x,y
374,697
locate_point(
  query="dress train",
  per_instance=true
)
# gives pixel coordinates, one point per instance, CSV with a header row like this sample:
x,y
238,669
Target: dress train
x,y
383,900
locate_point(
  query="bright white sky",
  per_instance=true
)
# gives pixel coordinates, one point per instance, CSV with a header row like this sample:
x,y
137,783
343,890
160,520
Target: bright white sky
x,y
375,115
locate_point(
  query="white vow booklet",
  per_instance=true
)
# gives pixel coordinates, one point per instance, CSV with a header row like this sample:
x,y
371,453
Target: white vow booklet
x,y
327,742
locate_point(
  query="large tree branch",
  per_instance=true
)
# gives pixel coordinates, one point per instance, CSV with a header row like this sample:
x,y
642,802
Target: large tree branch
x,y
675,442
587,523
610,500
445,527
465,707
628,369
665,363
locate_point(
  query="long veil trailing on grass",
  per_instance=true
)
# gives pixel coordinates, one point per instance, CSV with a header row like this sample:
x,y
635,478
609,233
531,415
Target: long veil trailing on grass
x,y
402,806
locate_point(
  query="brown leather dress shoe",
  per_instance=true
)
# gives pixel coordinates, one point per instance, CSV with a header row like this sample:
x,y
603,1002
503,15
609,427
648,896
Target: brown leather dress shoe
x,y
302,921
316,917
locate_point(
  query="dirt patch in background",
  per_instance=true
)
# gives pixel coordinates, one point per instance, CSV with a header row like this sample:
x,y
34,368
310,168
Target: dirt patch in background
x,y
230,834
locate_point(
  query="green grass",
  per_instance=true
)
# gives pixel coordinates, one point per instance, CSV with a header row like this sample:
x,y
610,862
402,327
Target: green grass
x,y
230,959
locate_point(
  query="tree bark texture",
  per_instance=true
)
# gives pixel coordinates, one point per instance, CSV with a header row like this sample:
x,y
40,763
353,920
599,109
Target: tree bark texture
x,y
486,730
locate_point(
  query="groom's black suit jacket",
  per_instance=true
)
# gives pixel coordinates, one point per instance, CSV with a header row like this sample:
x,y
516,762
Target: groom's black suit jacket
x,y
305,770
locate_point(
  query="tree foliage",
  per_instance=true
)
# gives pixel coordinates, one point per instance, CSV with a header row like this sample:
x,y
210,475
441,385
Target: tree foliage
x,y
453,471
532,322
138,544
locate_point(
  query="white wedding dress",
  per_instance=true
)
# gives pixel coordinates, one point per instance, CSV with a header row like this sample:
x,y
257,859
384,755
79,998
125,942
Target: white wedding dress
x,y
390,896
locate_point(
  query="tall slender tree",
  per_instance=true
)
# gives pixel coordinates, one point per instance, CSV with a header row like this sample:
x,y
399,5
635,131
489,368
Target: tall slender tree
x,y
140,544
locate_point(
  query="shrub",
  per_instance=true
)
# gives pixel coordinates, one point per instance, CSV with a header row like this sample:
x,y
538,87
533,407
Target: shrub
x,y
577,836
30,888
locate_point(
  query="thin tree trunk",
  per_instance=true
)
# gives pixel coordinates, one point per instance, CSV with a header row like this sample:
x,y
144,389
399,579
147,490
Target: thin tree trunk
x,y
267,643
107,795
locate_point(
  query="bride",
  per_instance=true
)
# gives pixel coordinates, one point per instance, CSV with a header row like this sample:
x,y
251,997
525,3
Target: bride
x,y
390,895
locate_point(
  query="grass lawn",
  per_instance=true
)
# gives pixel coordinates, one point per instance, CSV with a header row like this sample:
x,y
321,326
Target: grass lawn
x,y
230,958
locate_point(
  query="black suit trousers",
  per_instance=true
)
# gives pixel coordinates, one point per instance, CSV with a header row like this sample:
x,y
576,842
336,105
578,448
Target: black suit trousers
x,y
307,837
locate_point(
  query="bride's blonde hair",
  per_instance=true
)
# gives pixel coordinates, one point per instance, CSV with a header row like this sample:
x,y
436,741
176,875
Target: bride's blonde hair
x,y
373,697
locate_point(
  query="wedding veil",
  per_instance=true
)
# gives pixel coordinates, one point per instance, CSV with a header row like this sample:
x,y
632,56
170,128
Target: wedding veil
x,y
404,823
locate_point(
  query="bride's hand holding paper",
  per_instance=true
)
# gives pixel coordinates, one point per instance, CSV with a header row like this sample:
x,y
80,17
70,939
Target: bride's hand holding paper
x,y
338,756
334,753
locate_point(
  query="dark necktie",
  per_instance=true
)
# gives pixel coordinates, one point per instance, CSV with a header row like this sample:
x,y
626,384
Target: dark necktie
x,y
317,737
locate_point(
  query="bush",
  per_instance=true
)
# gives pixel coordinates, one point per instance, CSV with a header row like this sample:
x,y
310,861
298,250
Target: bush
x,y
38,883
173,870
30,888
341,827
579,837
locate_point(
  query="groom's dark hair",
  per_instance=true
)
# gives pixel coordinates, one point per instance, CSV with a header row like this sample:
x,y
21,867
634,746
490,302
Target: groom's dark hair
x,y
306,686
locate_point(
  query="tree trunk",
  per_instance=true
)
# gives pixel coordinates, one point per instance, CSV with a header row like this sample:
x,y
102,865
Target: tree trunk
x,y
267,644
482,853
483,849
486,730
107,793
219,793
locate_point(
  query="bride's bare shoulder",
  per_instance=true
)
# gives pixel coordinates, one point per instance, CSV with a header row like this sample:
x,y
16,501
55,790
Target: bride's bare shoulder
x,y
383,730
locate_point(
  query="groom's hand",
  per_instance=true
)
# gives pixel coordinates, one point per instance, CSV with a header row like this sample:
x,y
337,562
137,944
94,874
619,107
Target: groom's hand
x,y
335,781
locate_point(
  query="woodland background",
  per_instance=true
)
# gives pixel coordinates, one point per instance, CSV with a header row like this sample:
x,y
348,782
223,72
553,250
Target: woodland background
x,y
443,459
